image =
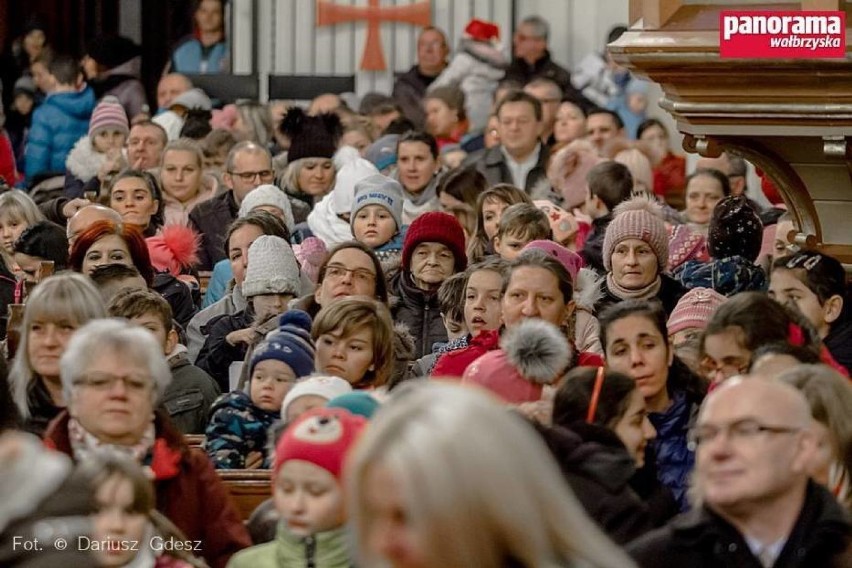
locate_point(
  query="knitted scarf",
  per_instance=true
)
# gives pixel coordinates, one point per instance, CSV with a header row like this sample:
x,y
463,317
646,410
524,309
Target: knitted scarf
x,y
649,291
85,445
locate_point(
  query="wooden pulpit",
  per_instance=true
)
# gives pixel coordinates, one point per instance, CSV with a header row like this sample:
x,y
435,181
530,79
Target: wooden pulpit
x,y
790,117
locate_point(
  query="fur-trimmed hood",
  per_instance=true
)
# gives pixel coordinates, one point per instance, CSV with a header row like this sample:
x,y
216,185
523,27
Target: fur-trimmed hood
x,y
84,161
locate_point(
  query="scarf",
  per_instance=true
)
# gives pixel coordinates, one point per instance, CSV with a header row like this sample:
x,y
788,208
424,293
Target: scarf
x,y
649,291
84,445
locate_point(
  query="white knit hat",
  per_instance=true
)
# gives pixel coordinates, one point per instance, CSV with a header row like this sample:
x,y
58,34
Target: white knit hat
x,y
272,268
352,168
325,386
271,195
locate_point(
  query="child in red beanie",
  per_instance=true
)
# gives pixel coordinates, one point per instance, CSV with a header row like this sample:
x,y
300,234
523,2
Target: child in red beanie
x,y
306,486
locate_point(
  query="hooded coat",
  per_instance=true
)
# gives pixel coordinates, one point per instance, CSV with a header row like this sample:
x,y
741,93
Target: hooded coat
x,y
58,123
419,311
82,168
598,468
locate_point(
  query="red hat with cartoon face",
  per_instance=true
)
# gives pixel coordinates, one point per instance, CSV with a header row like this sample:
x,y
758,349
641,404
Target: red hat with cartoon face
x,y
480,30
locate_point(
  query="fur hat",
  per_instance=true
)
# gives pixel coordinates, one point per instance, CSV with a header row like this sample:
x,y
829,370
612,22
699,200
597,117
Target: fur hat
x,y
735,229
351,169
532,354
174,249
291,344
435,227
270,195
323,386
272,268
311,136
108,114
572,261
685,244
637,218
379,190
359,403
321,436
694,309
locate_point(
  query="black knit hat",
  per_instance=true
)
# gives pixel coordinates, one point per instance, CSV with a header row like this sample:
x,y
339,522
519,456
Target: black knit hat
x,y
311,136
111,51
735,229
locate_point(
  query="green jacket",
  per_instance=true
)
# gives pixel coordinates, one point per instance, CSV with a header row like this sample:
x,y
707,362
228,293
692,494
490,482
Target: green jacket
x,y
322,550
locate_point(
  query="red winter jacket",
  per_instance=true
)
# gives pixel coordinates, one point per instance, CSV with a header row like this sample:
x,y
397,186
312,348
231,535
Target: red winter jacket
x,y
7,160
188,491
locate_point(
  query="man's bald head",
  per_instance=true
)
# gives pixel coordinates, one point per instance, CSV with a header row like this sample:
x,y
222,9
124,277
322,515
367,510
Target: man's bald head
x,y
761,397
170,86
85,217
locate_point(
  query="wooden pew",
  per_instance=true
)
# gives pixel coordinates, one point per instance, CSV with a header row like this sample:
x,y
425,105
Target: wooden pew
x,y
248,487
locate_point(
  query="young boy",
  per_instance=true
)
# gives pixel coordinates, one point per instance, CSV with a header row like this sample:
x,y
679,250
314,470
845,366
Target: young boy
x,y
308,493
376,217
313,392
191,393
520,224
450,304
61,120
610,183
271,281
237,433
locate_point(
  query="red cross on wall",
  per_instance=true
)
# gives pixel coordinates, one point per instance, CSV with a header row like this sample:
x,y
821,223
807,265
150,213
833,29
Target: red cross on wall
x,y
373,59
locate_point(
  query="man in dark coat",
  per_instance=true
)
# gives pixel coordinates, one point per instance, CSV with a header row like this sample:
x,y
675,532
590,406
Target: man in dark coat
x,y
409,88
759,507
532,59
248,166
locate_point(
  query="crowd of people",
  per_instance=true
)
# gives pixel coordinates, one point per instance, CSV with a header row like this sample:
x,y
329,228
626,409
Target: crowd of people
x,y
487,320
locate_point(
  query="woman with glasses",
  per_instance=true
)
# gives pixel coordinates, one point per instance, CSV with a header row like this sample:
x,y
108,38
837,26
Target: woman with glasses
x,y
635,339
599,433
55,309
113,375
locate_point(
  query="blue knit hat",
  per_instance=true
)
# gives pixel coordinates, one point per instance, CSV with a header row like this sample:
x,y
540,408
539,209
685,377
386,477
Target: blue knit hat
x,y
359,403
291,344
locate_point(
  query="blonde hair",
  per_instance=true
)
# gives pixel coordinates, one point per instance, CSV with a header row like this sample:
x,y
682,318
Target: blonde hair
x,y
66,296
16,204
349,315
479,485
290,178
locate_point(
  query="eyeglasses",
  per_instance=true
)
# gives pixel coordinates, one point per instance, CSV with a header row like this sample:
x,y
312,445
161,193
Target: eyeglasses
x,y
737,432
338,272
249,176
106,381
727,370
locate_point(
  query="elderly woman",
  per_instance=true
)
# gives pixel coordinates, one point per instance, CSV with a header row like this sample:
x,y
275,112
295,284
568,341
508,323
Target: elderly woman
x,y
113,375
635,254
55,309
427,486
433,250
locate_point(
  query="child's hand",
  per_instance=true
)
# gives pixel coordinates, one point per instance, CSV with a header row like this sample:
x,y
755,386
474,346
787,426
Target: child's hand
x,y
254,460
246,336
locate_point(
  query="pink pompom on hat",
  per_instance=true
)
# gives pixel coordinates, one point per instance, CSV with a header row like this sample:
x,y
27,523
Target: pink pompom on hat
x,y
174,249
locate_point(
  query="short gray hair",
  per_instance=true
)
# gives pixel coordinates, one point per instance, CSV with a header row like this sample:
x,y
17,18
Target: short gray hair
x,y
248,147
117,337
539,25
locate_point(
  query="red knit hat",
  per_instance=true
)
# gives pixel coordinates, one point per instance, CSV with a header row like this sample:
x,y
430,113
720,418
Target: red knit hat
x,y
685,244
480,30
435,227
321,436
694,309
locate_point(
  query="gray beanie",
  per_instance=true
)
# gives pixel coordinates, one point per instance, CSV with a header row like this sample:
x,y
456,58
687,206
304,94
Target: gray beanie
x,y
272,268
378,190
270,195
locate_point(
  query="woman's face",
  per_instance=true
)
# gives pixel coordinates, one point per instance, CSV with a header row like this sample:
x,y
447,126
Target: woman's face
x,y
534,293
441,120
113,400
308,498
349,357
357,140
109,249
658,140
238,246
415,166
390,535
726,356
46,341
703,192
634,264
634,429
316,176
10,229
132,198
636,348
115,524
492,211
109,139
350,272
570,123
431,264
181,175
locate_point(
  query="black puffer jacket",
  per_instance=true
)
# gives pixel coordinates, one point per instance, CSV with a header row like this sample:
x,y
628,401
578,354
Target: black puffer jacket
x,y
598,468
211,219
418,310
